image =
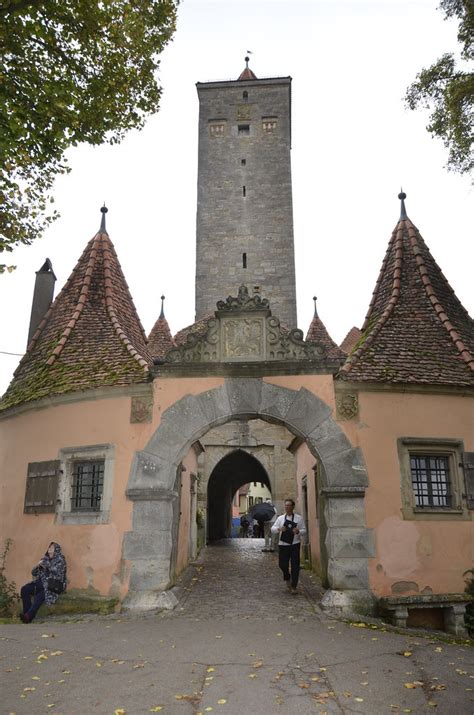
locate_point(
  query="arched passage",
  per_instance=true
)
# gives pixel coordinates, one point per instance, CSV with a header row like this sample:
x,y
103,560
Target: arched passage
x,y
153,478
232,472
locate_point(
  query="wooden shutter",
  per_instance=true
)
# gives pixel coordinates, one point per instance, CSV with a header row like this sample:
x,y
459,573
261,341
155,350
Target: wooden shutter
x,y
41,487
468,467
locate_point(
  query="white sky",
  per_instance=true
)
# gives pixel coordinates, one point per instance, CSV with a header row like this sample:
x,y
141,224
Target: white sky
x,y
354,145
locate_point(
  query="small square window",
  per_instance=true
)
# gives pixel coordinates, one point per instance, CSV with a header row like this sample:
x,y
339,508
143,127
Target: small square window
x,y
431,481
87,485
244,129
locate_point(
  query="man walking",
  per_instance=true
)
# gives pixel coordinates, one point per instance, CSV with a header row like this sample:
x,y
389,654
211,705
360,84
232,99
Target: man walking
x,y
291,528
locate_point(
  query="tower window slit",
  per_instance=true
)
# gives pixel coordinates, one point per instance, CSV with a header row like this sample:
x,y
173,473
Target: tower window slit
x,y
244,191
244,260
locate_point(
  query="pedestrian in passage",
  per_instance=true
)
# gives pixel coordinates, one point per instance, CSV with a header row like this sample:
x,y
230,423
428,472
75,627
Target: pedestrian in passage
x,y
267,528
49,580
291,527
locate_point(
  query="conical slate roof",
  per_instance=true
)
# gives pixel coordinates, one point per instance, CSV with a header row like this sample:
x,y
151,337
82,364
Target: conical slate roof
x,y
90,337
351,340
160,339
416,329
317,333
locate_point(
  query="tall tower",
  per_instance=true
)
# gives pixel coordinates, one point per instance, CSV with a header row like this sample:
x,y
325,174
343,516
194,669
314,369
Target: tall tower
x,y
244,230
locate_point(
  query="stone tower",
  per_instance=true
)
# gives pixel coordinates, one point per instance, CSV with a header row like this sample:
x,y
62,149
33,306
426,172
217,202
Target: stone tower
x,y
244,229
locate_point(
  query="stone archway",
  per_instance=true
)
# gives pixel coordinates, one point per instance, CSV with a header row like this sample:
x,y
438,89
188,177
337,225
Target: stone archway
x,y
152,483
231,472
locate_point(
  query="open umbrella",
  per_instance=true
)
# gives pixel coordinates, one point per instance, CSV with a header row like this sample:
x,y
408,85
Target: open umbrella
x,y
262,512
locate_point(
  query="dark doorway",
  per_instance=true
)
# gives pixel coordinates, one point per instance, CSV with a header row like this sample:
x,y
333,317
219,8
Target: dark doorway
x,y
232,472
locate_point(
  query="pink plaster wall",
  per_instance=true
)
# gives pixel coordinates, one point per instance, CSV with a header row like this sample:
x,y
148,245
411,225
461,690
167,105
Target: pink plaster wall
x,y
93,552
431,554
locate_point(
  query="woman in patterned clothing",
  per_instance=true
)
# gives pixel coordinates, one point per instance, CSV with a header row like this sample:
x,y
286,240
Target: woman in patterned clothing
x,y
52,566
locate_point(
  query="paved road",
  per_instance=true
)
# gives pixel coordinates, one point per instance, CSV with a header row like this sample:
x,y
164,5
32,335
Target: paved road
x,y
237,643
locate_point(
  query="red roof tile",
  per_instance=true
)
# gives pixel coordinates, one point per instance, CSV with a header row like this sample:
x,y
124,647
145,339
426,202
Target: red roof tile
x,y
317,333
247,73
160,339
416,329
351,340
90,337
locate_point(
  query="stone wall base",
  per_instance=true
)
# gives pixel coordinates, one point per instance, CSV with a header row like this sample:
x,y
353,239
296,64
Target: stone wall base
x,y
361,601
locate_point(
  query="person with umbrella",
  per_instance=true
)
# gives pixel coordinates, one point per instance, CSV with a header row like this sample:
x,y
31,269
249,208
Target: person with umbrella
x,y
265,515
291,528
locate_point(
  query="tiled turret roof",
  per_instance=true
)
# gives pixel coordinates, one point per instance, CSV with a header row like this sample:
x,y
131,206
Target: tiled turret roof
x,y
90,337
247,72
317,333
416,329
160,339
351,339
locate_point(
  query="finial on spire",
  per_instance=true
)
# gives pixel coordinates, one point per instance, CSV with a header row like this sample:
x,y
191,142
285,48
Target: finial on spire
x,y
315,308
103,210
247,60
162,314
402,196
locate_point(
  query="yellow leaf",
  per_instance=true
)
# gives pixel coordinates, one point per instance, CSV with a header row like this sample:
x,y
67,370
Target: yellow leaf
x,y
28,690
303,686
99,665
323,669
438,649
410,686
222,701
315,678
42,656
407,653
279,634
156,709
359,700
61,681
57,652
35,677
359,625
217,637
210,669
179,697
89,657
119,711
258,664
252,675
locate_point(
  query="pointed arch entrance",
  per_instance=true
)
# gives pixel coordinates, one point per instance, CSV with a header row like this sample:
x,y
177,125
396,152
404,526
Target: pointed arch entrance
x,y
232,472
153,479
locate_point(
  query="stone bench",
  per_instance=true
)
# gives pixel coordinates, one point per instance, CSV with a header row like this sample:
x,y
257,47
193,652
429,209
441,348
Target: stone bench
x,y
453,606
73,602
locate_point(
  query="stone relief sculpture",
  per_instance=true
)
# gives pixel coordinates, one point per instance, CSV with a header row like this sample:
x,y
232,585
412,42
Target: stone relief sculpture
x,y
244,330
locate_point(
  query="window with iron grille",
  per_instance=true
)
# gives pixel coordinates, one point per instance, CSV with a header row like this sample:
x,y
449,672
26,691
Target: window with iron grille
x,y
87,485
431,480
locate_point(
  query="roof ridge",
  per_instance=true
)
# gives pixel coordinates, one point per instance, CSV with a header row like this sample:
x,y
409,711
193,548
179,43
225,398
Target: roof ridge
x,y
430,292
80,302
397,241
113,315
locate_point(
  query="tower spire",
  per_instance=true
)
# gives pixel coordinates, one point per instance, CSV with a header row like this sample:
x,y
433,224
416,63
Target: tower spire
x,y
315,307
162,314
103,210
402,196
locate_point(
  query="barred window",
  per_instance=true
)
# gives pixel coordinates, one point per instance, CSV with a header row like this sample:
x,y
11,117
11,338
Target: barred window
x,y
431,480
87,486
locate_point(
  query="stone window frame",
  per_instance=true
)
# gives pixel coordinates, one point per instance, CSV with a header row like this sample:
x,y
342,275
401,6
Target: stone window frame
x,y
68,456
452,449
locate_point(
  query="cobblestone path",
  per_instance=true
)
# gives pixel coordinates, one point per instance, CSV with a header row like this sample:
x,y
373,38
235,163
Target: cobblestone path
x,y
238,581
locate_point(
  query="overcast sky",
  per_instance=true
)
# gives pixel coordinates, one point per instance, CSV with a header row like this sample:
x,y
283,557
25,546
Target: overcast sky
x,y
354,145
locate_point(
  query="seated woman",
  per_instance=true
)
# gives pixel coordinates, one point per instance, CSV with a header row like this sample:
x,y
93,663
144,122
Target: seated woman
x,y
50,572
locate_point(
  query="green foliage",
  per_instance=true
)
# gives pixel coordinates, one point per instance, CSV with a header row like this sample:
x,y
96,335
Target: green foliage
x,y
447,89
8,591
469,617
71,71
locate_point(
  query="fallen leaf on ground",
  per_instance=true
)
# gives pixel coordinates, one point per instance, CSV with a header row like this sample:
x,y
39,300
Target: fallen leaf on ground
x,y
252,675
210,669
57,652
257,664
222,701
119,711
156,709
